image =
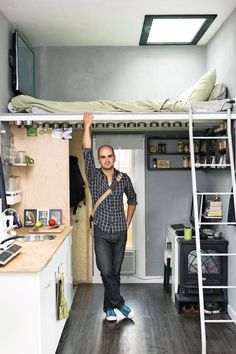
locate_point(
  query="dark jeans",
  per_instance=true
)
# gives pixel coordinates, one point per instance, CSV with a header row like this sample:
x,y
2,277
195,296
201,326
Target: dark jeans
x,y
109,251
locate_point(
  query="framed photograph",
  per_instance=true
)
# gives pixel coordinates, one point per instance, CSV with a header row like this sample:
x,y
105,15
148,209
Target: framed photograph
x,y
56,214
42,215
163,163
30,217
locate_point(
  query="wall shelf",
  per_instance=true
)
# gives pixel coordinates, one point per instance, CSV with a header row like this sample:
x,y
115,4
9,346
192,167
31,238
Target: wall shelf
x,y
13,197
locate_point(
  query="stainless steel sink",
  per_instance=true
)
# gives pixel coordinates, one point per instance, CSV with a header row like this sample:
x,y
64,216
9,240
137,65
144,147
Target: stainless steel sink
x,y
35,238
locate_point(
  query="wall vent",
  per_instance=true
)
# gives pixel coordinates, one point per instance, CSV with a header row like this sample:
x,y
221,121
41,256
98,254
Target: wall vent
x,y
129,263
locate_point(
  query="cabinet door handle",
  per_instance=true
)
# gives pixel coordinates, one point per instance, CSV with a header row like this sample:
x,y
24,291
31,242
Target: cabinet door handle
x,y
48,285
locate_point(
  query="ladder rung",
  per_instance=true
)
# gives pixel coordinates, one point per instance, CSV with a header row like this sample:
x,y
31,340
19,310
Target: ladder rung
x,y
217,254
212,165
219,287
219,321
210,137
214,193
217,223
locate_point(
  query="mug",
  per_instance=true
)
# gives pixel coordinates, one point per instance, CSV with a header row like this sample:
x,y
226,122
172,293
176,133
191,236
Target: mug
x,y
20,156
29,160
188,233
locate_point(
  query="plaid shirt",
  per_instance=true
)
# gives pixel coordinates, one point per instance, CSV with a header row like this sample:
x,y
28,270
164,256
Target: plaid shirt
x,y
110,215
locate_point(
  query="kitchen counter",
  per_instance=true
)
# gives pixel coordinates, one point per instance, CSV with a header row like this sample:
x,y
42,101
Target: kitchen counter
x,y
28,294
35,256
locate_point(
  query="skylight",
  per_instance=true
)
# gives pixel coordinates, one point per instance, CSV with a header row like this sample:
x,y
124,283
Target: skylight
x,y
174,29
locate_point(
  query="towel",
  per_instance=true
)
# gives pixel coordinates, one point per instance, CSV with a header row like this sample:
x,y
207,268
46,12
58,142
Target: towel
x,y
62,307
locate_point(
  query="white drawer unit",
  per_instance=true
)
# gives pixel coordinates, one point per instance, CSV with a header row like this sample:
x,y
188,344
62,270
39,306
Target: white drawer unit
x,y
28,305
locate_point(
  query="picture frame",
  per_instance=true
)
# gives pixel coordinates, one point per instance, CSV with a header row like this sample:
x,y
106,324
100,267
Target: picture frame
x,y
30,217
163,163
43,215
56,214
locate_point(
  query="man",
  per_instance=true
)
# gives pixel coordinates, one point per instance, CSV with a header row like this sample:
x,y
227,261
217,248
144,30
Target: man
x,y
110,222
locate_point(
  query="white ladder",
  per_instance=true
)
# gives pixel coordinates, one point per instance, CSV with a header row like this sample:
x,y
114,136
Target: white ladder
x,y
197,218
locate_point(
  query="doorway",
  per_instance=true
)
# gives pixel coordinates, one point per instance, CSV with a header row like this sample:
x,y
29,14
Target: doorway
x,y
129,150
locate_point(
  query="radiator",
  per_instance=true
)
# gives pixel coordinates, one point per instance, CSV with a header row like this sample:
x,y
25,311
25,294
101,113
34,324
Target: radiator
x,y
129,263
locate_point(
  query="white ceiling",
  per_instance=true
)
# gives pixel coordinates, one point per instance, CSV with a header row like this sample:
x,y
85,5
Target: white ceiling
x,y
101,22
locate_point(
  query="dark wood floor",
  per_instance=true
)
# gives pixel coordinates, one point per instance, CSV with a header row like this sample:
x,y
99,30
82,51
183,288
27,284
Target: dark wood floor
x,y
156,329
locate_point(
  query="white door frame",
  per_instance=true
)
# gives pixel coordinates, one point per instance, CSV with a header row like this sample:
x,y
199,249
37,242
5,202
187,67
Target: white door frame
x,y
138,222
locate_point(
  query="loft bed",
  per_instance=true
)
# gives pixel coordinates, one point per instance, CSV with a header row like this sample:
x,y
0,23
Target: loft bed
x,y
204,97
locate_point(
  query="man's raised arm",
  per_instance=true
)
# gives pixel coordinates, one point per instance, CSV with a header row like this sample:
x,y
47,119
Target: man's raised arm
x,y
87,120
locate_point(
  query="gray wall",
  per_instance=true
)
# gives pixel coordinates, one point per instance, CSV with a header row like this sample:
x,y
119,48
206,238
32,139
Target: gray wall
x,y
5,76
117,73
221,54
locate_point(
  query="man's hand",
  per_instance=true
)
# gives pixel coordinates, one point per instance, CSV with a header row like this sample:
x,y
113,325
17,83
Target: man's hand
x,y
87,119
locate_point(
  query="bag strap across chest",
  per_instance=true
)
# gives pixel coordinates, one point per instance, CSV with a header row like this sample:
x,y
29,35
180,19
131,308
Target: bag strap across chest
x,y
108,191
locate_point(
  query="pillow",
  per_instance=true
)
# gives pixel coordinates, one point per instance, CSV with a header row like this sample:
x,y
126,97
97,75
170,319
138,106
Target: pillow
x,y
218,92
201,90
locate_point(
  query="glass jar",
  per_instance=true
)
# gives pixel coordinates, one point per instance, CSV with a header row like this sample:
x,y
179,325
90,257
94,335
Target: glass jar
x,y
222,145
152,149
12,183
180,147
9,154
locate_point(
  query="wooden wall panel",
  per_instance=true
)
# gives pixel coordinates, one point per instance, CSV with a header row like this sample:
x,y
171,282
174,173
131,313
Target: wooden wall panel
x,y
46,183
82,240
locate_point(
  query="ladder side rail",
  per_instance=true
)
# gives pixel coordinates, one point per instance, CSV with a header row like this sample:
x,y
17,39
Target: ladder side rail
x,y
231,157
197,234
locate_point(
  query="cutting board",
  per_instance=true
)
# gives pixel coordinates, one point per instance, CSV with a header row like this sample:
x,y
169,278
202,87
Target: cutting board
x,y
48,229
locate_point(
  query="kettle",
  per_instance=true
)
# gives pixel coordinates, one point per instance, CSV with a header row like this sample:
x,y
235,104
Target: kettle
x,y
13,218
9,219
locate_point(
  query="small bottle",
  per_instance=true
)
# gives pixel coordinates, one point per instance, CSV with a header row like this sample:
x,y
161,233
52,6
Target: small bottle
x,y
154,163
197,161
189,162
196,148
186,150
213,161
163,148
185,162
159,148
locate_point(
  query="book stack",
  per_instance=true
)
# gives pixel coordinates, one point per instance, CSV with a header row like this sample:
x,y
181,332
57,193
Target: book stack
x,y
214,209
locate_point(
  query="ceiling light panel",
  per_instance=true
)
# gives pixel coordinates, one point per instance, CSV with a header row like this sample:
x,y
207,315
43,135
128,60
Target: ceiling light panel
x,y
174,29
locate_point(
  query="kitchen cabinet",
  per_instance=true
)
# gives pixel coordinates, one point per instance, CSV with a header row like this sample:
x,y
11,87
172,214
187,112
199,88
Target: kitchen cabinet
x,y
28,305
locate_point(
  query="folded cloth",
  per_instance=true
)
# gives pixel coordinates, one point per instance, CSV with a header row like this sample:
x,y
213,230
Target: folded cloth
x,y
62,307
212,106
